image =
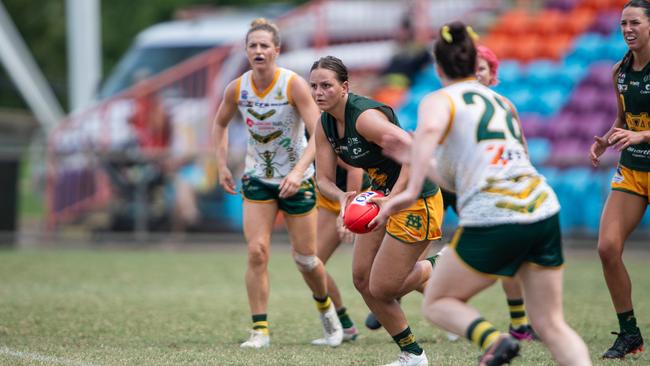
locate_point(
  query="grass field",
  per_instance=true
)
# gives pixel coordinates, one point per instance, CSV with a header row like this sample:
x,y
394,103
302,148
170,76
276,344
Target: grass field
x,y
188,307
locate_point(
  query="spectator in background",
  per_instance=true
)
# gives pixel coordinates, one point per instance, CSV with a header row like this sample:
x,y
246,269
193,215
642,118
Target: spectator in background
x,y
628,200
411,56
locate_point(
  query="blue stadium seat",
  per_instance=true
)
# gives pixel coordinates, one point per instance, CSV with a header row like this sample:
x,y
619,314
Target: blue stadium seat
x,y
539,150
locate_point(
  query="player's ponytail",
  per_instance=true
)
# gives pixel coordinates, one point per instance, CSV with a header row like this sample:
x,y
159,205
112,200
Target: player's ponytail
x,y
455,50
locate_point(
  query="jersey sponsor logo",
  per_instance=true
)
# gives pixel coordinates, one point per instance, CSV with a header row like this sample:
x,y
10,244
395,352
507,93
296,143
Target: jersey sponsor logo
x,y
646,78
647,87
622,88
635,83
356,150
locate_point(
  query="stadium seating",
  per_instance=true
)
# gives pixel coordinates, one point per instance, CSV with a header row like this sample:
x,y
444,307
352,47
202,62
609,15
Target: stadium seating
x,y
556,67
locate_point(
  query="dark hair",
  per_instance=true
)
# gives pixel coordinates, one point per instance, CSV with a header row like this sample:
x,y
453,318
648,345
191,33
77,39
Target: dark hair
x,y
265,25
333,64
455,51
645,5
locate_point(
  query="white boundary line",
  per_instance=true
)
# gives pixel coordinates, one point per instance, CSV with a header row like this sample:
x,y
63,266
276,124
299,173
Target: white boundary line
x,y
41,358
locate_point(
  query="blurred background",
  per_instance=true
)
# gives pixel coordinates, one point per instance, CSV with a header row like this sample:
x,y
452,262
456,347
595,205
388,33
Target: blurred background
x,y
106,106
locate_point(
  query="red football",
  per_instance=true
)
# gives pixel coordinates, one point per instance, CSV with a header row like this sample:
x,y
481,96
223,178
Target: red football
x,y
360,212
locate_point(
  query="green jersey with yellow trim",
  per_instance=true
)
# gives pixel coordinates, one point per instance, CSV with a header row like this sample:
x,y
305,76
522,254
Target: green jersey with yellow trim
x,y
634,89
358,152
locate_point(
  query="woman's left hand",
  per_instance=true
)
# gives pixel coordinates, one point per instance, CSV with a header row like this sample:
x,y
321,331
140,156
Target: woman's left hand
x,y
389,206
384,212
623,138
290,184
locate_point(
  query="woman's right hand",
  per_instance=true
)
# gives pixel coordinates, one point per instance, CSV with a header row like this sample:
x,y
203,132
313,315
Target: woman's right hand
x,y
597,149
226,181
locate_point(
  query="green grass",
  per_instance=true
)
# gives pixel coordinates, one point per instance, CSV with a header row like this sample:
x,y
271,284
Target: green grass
x,y
117,307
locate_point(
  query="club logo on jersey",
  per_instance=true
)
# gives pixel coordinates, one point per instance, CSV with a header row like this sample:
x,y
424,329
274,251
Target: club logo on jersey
x,y
278,95
244,95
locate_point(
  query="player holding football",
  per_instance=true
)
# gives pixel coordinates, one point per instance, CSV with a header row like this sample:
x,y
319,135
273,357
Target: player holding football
x,y
385,262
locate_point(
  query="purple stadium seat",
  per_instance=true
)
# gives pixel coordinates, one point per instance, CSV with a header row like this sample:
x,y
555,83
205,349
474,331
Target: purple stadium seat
x,y
605,22
534,125
563,5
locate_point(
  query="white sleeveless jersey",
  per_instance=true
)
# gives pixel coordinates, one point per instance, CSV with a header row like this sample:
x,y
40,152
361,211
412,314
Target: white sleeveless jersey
x,y
276,133
481,158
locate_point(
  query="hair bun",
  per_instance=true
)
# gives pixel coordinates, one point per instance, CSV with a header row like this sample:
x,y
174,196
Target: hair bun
x,y
259,21
458,31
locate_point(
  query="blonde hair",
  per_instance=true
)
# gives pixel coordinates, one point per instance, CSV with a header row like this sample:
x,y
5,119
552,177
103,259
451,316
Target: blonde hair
x,y
265,25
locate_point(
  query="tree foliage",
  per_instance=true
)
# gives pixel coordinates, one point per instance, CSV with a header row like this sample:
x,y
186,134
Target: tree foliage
x,y
42,25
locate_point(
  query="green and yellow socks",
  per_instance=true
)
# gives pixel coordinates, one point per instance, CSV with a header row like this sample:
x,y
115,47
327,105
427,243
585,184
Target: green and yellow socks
x,y
406,342
482,333
517,313
260,323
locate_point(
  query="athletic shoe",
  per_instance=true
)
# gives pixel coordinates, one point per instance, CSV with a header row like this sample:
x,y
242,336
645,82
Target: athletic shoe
x,y
504,349
410,359
523,333
332,329
257,340
350,334
452,337
372,322
625,344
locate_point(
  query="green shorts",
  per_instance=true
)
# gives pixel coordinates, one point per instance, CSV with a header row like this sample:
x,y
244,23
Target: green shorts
x,y
255,190
500,250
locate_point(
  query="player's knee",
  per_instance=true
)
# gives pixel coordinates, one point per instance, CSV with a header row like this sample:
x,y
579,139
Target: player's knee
x,y
383,292
305,263
361,282
431,311
610,250
258,255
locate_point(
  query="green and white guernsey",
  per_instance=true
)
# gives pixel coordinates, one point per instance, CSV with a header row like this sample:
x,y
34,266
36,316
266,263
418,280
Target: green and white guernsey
x,y
358,152
634,89
482,158
276,132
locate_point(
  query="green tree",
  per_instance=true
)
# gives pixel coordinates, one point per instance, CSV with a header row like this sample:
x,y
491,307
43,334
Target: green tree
x,y
43,27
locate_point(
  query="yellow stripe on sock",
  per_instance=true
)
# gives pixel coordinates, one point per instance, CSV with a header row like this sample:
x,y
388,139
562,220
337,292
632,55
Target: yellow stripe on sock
x,y
406,340
490,339
518,322
323,306
514,308
478,331
262,326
